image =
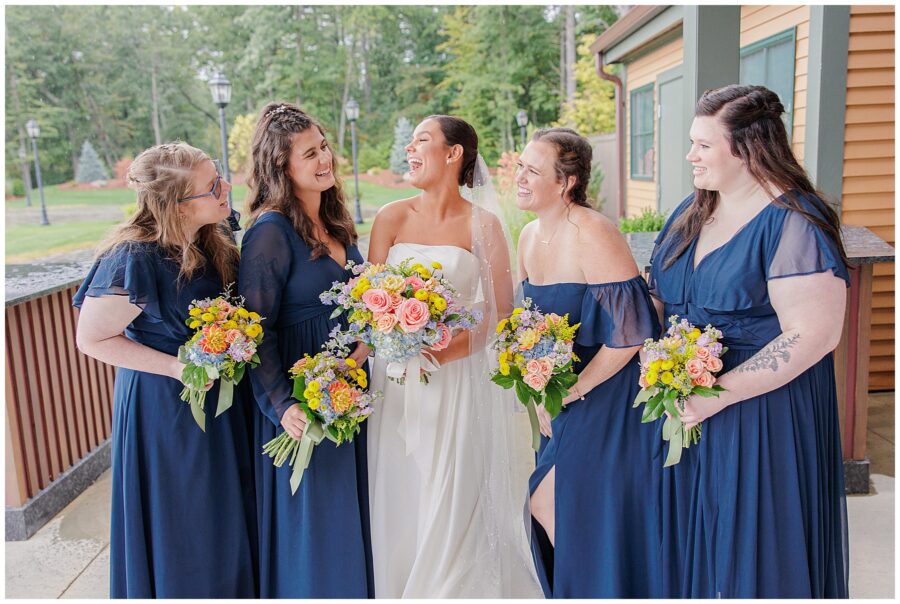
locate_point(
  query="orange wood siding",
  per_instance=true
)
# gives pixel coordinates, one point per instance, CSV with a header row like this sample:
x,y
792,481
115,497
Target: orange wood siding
x,y
868,186
641,194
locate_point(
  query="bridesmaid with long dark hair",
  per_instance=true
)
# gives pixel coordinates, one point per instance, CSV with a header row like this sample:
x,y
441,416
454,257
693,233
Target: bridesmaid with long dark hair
x,y
314,544
183,523
758,508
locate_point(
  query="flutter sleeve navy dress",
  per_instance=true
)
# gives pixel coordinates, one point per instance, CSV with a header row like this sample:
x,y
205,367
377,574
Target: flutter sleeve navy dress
x,y
316,543
607,463
757,509
183,523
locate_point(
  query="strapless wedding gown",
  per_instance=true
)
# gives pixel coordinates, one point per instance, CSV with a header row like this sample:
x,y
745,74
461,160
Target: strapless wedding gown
x,y
439,530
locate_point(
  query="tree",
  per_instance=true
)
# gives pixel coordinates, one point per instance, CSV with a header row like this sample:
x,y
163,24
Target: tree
x,y
593,110
403,133
90,168
240,139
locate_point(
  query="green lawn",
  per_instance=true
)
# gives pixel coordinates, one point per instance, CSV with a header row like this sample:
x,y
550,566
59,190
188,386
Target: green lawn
x,y
25,243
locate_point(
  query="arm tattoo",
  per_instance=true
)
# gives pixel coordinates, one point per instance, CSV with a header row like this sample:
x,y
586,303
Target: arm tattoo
x,y
768,357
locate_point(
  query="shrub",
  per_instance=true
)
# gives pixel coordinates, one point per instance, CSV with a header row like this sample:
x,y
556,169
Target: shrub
x,y
240,141
121,167
372,155
647,222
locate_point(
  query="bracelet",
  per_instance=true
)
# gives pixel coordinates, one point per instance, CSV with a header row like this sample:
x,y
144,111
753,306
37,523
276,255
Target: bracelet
x,y
577,393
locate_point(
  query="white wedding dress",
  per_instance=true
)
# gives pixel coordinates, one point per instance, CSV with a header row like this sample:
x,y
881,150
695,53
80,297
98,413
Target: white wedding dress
x,y
441,527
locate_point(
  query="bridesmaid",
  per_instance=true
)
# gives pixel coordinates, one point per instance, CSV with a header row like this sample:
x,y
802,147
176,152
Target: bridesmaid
x,y
594,491
314,544
766,512
182,525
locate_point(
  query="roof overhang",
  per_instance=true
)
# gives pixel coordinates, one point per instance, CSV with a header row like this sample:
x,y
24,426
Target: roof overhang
x,y
639,27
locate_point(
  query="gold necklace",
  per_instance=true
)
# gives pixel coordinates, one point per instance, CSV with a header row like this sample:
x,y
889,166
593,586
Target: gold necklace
x,y
547,242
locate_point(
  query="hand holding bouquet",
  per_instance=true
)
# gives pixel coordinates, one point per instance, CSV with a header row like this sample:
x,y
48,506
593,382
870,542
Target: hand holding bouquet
x,y
535,357
682,363
330,390
399,310
224,343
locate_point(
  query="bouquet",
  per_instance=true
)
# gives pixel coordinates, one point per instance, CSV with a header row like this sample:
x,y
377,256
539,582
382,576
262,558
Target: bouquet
x,y
535,357
330,390
680,364
398,310
224,343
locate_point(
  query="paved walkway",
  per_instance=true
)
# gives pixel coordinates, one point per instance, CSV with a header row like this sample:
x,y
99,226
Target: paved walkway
x,y
69,557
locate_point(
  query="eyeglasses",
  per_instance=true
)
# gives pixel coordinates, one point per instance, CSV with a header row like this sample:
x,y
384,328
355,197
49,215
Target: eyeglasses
x,y
216,188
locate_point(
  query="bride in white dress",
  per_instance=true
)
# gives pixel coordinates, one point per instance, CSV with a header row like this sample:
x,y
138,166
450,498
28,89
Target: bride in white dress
x,y
447,484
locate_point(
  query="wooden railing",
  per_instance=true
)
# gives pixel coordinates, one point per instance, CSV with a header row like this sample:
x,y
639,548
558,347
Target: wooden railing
x,y
58,401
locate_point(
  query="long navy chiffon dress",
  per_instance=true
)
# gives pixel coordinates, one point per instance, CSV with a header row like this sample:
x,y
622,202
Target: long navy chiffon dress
x,y
183,517
316,543
761,505
607,463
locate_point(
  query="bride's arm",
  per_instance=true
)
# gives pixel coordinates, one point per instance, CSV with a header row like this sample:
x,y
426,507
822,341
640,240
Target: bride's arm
x,y
498,297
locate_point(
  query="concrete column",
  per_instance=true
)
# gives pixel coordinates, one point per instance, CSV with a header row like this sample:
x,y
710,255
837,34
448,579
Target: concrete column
x,y
826,99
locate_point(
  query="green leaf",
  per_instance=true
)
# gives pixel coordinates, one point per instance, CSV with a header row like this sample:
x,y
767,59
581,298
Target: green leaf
x,y
553,403
337,312
669,401
299,388
239,373
567,380
504,381
522,392
704,391
642,397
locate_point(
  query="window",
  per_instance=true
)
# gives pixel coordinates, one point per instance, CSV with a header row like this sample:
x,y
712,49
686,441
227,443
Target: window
x,y
770,63
642,133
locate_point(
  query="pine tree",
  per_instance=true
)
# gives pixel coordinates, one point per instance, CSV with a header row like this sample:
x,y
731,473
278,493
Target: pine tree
x,y
403,132
90,167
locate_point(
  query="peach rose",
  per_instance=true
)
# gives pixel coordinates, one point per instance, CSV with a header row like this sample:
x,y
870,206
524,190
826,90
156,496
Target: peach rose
x,y
385,323
546,367
702,353
446,336
694,368
415,281
705,379
396,301
231,335
377,300
533,366
714,364
412,315
535,380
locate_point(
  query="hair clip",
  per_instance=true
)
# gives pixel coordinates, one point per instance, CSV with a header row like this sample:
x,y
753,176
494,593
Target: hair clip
x,y
279,109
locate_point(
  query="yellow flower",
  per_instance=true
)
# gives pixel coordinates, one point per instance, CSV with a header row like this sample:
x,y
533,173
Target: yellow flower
x,y
308,394
195,312
392,283
666,377
364,283
195,324
501,325
504,369
667,364
314,386
254,330
350,362
363,382
519,359
651,377
314,403
361,372
253,316
208,316
517,312
528,338
436,266
242,313
503,357
654,365
229,325
438,302
693,334
421,295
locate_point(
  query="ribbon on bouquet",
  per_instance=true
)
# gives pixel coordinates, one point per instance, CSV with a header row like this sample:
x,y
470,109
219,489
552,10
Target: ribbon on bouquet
x,y
226,396
412,394
313,434
535,425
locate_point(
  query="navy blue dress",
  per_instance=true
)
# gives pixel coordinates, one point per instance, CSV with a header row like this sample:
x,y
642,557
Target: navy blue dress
x,y
761,511
316,543
183,518
607,463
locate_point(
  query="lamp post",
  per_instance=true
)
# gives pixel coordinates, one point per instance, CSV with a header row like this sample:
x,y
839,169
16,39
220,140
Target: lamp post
x,y
26,175
522,120
220,88
34,132
352,110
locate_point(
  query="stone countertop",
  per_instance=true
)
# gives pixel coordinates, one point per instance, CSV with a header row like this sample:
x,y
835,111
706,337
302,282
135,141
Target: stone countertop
x,y
28,281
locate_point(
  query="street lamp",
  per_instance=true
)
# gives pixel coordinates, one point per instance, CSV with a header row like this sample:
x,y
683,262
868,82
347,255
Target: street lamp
x,y
26,175
220,88
352,110
34,132
522,120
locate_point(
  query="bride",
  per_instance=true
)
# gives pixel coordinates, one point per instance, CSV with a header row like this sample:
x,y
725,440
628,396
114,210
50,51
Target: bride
x,y
446,506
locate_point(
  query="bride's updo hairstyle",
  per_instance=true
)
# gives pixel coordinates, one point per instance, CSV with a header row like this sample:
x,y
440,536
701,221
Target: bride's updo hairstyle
x,y
457,131
573,158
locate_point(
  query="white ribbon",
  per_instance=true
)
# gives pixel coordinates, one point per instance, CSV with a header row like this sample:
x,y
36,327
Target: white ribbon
x,y
411,429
